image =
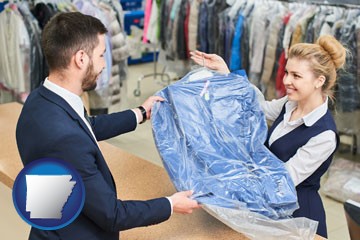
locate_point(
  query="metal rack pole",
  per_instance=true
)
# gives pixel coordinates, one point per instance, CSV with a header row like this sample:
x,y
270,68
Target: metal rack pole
x,y
154,75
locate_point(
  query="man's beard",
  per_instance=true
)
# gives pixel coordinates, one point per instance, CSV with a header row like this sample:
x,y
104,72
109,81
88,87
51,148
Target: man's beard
x,y
89,81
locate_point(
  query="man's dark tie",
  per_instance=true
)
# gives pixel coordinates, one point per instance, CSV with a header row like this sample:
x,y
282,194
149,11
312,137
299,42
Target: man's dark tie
x,y
87,116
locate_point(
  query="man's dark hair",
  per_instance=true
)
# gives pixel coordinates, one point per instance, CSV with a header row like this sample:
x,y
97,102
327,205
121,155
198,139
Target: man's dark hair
x,y
67,33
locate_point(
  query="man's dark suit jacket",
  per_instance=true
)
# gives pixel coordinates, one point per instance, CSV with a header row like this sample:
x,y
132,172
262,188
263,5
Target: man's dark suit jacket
x,y
49,127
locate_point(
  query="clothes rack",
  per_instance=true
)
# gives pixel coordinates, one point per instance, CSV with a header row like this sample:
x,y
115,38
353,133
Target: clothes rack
x,y
343,3
154,74
149,37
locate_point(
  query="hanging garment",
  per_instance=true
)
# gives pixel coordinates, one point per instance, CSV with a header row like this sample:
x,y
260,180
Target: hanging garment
x,y
299,30
258,39
148,5
220,48
193,25
152,29
202,27
186,30
214,7
274,28
235,60
210,133
180,28
15,53
36,54
348,92
280,88
43,12
358,54
165,22
174,16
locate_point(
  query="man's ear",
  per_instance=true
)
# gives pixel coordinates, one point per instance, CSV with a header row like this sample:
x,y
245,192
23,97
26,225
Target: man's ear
x,y
81,59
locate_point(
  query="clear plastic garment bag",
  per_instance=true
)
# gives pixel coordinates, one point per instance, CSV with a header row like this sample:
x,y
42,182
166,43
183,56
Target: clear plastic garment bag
x,y
210,133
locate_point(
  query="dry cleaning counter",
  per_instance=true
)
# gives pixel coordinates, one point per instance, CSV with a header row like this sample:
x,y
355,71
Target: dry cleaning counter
x,y
135,179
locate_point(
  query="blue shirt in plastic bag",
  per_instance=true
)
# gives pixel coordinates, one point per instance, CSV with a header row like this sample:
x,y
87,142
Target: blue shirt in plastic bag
x,y
210,133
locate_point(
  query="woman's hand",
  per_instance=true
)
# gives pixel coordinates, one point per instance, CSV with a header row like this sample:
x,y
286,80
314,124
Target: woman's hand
x,y
212,61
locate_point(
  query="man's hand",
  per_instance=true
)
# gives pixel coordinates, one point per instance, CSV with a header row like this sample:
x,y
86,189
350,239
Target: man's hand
x,y
182,203
212,61
149,103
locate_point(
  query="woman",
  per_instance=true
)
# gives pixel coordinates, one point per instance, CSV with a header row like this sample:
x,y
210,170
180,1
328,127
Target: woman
x,y
303,133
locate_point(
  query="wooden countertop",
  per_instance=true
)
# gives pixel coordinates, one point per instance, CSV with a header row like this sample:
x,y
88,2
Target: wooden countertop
x,y
135,178
10,163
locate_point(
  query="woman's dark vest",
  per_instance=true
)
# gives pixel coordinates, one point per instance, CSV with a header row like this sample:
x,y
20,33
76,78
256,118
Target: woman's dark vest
x,y
310,204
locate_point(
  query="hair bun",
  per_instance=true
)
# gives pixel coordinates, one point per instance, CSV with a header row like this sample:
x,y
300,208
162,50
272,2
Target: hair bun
x,y
334,48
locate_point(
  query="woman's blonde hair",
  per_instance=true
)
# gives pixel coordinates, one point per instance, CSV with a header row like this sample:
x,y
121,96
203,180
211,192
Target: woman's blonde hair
x,y
326,56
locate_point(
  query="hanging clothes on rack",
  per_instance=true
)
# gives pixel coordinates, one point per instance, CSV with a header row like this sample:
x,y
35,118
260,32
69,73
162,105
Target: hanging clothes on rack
x,y
270,55
119,51
250,42
148,5
348,83
38,67
15,56
193,25
153,26
23,66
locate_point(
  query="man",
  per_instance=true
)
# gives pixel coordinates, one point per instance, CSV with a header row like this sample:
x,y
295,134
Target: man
x,y
53,123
